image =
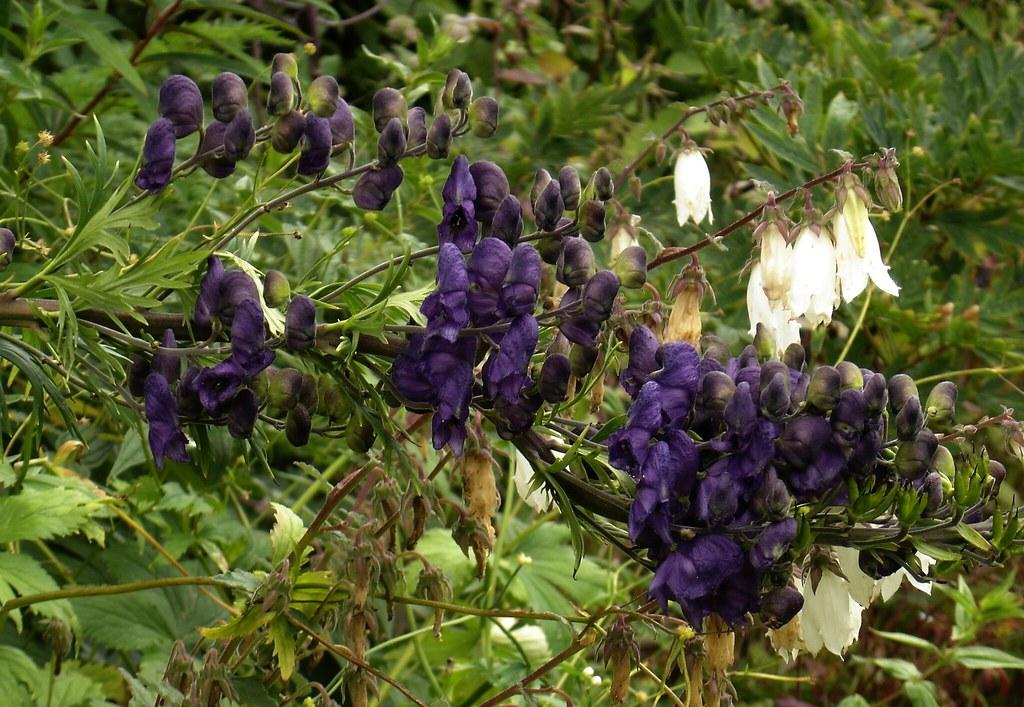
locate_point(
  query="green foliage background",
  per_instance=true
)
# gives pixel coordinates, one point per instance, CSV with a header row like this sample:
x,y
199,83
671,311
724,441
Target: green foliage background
x,y
587,84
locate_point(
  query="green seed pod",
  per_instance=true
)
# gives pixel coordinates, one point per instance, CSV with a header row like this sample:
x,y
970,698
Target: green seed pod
x,y
276,290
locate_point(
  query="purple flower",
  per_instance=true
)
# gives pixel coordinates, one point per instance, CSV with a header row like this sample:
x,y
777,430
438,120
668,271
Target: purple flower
x,y
693,572
216,386
300,324
575,264
239,136
519,294
407,372
517,417
749,437
189,404
849,417
487,267
343,129
554,377
772,543
242,414
213,139
458,220
505,373
627,446
181,103
577,328
248,339
374,189
718,495
208,301
549,207
446,308
229,96
157,157
491,189
599,296
507,223
650,515
417,122
167,365
166,440
233,288
677,379
316,146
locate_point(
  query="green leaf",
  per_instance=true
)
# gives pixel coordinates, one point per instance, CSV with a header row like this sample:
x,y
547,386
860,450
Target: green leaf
x,y
973,537
984,657
21,575
287,531
854,701
39,515
907,640
110,53
39,380
284,646
898,668
920,694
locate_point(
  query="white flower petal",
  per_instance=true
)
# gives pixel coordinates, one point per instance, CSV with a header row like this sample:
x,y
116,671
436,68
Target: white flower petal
x,y
777,320
692,182
776,265
830,617
539,499
814,293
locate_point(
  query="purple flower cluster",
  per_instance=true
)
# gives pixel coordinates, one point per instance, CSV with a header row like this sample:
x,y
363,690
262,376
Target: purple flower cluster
x,y
720,448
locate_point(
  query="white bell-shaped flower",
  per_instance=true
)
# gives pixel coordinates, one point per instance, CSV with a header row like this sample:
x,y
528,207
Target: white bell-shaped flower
x,y
777,319
858,256
776,263
693,187
814,289
830,618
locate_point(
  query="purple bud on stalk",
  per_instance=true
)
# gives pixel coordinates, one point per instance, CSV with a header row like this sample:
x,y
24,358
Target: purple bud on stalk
x,y
519,295
233,288
213,139
507,223
483,117
343,128
554,378
388,103
181,102
239,136
909,420
491,189
549,207
417,121
599,296
157,157
300,324
316,146
604,185
901,389
323,95
287,131
780,605
914,457
242,413
576,263
374,189
297,426
7,243
165,363
439,137
281,98
230,96
569,185
592,215
391,143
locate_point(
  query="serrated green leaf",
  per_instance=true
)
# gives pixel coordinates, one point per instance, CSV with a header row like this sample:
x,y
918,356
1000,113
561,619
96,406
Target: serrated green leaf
x,y
284,646
39,515
287,531
21,575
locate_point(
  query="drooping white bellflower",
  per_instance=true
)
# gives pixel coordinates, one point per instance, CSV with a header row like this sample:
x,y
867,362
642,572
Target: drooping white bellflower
x,y
858,256
814,291
776,318
693,187
776,263
830,618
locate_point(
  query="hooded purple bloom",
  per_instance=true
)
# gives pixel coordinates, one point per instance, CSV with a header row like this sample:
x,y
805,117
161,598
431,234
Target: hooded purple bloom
x,y
208,301
650,514
447,308
748,436
627,446
505,374
242,414
507,223
217,386
248,339
343,129
491,189
516,418
157,157
213,139
772,543
166,440
677,379
316,146
233,288
849,417
374,189
693,573
239,136
300,324
407,372
519,295
599,296
577,328
487,268
718,496
167,365
181,103
458,221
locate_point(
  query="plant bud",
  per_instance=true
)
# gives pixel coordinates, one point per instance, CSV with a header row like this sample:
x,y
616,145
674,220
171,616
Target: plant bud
x,y
802,439
684,323
343,128
887,187
181,102
875,394
233,288
138,371
276,290
287,131
932,488
569,183
300,324
239,136
157,157
941,404
604,185
417,120
554,377
491,189
323,96
550,248
850,376
716,390
780,605
309,394
747,357
230,96
540,182
281,98
592,216
775,397
333,402
360,436
391,143
439,137
242,413
914,457
297,426
507,224
909,420
7,242
548,208
764,342
283,390
631,268
794,357
575,263
849,417
286,64
823,390
374,189
388,103
483,117
714,347
996,471
316,146
213,139
773,500
458,90
943,463
599,296
901,389
582,359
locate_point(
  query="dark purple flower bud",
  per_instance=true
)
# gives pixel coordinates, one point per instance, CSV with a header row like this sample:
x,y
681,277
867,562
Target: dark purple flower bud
x,y
772,543
297,426
554,378
300,324
941,404
576,263
189,404
824,388
630,267
780,605
439,137
233,288
181,102
773,500
391,143
909,420
677,379
932,488
901,389
213,139
138,371
458,221
517,418
694,571
849,417
875,394
850,375
287,131
458,90
483,116
715,348
569,184
519,295
157,157
248,339
388,103
774,399
323,95
276,290
166,440
284,388
794,356
507,224
592,216
208,301
604,185
801,440
577,328
582,359
281,99
165,363
309,393
717,499
628,445
316,146
491,189
239,136
447,308
643,345
540,182
374,189
242,414
343,128
417,120
229,96
7,243
549,207
505,372
997,471
716,390
748,358
599,296
487,268
913,458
